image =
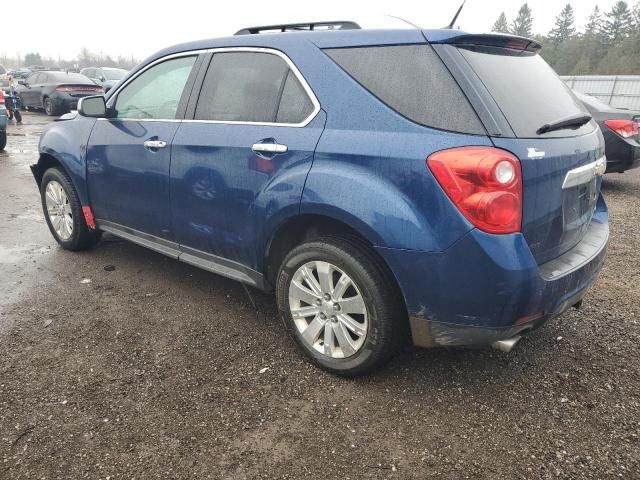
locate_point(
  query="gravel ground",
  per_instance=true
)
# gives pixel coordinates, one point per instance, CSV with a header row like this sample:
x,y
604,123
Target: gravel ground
x,y
159,370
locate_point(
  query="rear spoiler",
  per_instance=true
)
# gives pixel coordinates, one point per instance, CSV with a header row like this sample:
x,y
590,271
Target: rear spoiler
x,y
510,42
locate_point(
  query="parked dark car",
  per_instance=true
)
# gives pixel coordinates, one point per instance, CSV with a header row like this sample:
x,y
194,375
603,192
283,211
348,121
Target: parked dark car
x,y
620,128
55,92
378,181
20,73
106,77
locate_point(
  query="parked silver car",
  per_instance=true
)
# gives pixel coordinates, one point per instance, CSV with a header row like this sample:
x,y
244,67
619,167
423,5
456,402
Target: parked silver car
x,y
106,77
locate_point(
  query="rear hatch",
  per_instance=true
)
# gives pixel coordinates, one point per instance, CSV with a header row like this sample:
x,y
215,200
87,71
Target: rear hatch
x,y
517,94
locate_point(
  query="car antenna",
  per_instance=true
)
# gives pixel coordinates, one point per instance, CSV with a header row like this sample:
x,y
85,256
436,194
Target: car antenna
x,y
406,21
455,17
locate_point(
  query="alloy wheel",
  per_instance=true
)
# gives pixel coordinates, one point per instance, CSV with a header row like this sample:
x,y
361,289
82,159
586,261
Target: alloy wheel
x,y
328,309
59,210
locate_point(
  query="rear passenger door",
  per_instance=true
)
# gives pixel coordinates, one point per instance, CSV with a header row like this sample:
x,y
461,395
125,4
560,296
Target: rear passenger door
x,y
242,155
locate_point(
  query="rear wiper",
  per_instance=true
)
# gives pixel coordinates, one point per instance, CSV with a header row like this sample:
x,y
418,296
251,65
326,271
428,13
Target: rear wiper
x,y
574,121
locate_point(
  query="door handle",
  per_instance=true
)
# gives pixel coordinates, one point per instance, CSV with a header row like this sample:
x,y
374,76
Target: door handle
x,y
269,148
155,144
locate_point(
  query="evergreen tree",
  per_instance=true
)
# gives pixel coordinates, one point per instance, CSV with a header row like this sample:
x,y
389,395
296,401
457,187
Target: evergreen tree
x,y
523,23
564,26
618,24
501,25
636,17
595,23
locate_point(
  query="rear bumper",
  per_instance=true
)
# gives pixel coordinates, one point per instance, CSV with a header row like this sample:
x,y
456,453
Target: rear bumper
x,y
622,155
487,288
66,102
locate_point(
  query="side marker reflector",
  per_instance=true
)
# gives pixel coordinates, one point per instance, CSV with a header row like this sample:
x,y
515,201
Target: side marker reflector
x,y
88,217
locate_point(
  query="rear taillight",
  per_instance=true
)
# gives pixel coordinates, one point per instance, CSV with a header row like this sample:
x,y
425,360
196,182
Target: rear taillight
x,y
485,183
624,128
1,97
79,88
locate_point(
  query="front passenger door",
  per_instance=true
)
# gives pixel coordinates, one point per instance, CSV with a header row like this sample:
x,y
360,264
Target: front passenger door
x,y
129,153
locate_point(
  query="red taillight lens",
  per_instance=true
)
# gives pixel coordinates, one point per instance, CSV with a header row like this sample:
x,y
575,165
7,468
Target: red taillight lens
x,y
624,128
79,88
1,97
485,183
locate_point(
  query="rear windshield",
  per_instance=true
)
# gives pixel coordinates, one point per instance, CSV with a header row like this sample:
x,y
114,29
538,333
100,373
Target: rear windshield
x,y
67,77
413,81
526,89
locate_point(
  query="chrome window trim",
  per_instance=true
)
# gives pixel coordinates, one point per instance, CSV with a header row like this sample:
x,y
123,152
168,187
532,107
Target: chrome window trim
x,y
306,87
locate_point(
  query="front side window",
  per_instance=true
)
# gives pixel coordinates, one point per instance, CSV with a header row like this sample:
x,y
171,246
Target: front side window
x,y
156,93
252,87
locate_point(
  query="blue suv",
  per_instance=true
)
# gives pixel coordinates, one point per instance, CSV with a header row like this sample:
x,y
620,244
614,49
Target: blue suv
x,y
383,183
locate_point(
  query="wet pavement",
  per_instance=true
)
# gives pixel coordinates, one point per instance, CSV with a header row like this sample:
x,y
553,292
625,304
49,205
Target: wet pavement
x,y
154,369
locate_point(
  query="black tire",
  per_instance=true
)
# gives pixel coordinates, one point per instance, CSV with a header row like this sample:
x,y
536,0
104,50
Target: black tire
x,y
387,318
3,139
49,107
81,237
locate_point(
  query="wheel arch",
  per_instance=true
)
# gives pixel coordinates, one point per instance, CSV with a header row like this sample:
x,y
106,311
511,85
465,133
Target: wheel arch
x,y
47,161
305,227
64,144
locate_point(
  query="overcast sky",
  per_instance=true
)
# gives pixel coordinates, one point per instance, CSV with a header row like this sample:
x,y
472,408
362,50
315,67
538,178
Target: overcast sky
x,y
140,27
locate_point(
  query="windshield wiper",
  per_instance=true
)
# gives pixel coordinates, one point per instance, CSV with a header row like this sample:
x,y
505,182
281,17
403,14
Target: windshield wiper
x,y
574,121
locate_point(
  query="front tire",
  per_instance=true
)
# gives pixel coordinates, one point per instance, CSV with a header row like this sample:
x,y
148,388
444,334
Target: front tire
x,y
63,212
340,305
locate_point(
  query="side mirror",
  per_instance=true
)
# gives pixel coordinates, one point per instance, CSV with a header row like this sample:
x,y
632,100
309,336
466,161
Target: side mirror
x,y
94,106
102,79
23,83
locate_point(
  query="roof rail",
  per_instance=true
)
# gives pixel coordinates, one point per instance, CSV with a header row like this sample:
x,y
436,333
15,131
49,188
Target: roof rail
x,y
300,27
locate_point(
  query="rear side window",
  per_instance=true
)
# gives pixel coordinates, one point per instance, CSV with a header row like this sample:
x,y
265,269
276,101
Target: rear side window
x,y
295,104
413,81
526,89
252,87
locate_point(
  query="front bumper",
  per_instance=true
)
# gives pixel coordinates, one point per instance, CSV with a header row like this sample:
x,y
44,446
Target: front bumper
x,y
487,288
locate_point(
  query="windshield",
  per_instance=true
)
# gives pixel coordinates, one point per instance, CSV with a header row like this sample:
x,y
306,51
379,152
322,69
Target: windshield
x,y
114,74
526,89
2,70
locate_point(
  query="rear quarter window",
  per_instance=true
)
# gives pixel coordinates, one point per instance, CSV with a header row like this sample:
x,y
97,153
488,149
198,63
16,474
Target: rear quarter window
x,y
413,81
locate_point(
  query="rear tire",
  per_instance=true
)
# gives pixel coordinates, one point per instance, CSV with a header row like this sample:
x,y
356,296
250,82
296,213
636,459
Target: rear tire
x,y
63,212
375,320
3,139
50,108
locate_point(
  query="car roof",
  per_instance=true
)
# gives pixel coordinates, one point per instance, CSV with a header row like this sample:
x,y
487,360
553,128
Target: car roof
x,y
322,39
